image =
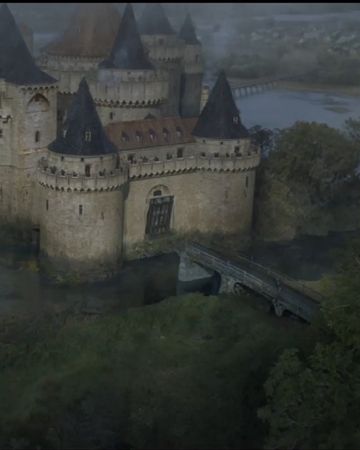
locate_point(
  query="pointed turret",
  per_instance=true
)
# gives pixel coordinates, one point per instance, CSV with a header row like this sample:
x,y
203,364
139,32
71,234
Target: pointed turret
x,y
154,20
220,117
91,32
128,52
82,132
187,32
16,63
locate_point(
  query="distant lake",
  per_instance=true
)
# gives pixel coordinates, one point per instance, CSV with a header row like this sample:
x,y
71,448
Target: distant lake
x,y
279,108
282,108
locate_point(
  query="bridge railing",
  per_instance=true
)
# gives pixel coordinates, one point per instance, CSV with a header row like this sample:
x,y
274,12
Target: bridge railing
x,y
285,279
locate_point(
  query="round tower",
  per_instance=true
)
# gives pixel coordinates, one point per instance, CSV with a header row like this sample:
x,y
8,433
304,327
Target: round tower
x,y
77,52
220,134
27,123
129,87
165,51
82,195
192,75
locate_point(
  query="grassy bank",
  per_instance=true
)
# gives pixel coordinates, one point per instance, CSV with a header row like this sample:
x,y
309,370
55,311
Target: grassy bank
x,y
185,373
312,87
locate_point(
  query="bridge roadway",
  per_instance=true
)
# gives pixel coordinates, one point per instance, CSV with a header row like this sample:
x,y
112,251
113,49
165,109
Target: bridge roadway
x,y
284,293
249,87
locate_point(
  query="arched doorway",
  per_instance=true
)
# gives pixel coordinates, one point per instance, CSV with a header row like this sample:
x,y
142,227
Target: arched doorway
x,y
158,220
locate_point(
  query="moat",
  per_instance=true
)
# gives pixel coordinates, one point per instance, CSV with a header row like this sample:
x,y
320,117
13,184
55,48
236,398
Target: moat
x,y
24,289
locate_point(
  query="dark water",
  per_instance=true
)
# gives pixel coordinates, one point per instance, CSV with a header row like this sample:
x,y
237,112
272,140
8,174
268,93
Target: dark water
x,y
25,290
306,258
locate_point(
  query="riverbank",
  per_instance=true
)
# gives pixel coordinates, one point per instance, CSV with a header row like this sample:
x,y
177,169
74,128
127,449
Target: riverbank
x,y
353,91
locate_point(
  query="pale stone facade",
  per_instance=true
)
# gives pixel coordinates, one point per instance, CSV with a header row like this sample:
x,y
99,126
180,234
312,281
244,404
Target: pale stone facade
x,y
90,210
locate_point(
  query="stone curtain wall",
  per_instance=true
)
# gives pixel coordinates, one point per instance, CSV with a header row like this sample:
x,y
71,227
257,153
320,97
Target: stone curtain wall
x,y
203,201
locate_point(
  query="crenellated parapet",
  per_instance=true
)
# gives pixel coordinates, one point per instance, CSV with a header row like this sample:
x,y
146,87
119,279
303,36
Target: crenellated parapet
x,y
209,163
69,182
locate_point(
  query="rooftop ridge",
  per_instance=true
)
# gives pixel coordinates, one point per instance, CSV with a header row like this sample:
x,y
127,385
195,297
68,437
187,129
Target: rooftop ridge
x,y
220,118
17,65
90,32
187,32
82,132
154,20
128,51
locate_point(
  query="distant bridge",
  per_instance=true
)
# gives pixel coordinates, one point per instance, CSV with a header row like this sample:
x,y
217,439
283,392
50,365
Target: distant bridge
x,y
284,293
242,88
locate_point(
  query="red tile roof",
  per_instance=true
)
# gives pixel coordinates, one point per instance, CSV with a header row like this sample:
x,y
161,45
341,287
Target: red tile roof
x,y
145,133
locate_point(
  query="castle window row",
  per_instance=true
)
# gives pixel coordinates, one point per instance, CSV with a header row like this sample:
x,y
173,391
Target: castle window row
x,y
139,136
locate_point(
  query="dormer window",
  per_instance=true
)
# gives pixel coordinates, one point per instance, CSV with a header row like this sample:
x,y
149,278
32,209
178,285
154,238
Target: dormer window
x,y
166,134
179,132
138,136
124,137
236,119
87,136
152,135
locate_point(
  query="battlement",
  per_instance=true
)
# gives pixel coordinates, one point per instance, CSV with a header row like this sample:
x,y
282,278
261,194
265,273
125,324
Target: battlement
x,y
164,48
67,182
174,166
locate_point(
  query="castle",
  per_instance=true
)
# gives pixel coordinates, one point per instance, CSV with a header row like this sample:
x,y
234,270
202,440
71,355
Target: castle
x,y
102,143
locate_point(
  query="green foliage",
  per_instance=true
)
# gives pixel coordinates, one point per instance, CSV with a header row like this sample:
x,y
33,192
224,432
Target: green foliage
x,y
313,400
184,373
308,183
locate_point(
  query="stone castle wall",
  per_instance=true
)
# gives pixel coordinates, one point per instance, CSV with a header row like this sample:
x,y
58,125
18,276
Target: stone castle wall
x,y
28,125
210,194
82,231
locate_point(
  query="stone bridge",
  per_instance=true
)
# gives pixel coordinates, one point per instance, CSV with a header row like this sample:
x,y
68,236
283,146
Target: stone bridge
x,y
198,263
242,88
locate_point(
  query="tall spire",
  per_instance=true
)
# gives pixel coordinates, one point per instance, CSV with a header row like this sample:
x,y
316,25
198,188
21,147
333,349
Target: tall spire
x,y
220,117
128,51
82,132
91,32
16,63
187,32
154,20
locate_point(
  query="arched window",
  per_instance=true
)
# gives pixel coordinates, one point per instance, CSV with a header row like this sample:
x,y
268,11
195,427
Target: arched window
x,y
124,137
152,135
179,132
166,134
138,136
87,136
37,136
38,103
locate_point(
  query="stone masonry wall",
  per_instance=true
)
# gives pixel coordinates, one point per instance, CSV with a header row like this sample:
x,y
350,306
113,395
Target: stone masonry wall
x,y
203,201
82,231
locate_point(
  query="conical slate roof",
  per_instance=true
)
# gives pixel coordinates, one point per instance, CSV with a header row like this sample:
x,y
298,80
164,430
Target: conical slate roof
x,y
220,117
91,32
16,63
154,20
187,32
82,132
128,52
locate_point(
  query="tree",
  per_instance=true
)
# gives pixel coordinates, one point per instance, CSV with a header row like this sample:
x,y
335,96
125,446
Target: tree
x,y
313,401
